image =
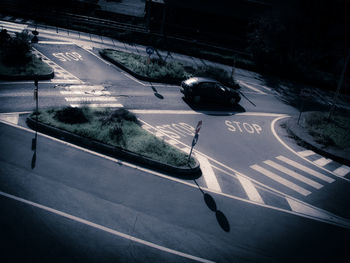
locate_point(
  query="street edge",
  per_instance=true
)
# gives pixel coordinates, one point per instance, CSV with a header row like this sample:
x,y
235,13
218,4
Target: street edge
x,y
301,134
189,173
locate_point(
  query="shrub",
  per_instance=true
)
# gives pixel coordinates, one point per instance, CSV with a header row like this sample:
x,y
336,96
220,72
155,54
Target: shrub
x,y
71,115
16,50
119,115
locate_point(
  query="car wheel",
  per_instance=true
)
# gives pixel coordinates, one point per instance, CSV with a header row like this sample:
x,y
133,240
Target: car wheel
x,y
196,99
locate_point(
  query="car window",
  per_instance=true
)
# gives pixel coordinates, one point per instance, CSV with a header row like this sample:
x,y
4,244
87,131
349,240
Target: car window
x,y
207,88
220,88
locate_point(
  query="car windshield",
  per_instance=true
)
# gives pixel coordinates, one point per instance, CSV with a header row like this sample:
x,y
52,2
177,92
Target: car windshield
x,y
191,81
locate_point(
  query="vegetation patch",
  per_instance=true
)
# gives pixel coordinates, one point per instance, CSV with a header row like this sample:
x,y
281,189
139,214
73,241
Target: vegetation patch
x,y
16,59
160,68
119,128
329,132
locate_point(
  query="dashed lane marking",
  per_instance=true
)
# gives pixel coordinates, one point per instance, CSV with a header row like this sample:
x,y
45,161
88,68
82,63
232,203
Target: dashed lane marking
x,y
103,228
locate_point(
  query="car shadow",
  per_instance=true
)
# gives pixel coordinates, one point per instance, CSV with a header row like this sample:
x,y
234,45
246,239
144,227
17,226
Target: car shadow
x,y
214,109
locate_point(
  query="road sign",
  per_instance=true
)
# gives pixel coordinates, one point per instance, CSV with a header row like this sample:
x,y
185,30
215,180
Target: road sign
x,y
195,140
199,126
149,50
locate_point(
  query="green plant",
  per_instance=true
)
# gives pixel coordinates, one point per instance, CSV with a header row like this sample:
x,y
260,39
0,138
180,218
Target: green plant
x,y
71,115
16,49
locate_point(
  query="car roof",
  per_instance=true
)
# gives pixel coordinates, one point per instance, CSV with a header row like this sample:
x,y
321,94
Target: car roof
x,y
200,80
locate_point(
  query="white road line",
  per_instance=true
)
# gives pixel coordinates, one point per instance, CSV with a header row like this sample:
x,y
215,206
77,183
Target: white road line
x,y
103,228
306,153
280,180
83,92
250,190
208,173
10,117
55,43
293,174
342,170
305,169
84,87
171,142
102,105
251,87
90,99
323,161
303,209
180,112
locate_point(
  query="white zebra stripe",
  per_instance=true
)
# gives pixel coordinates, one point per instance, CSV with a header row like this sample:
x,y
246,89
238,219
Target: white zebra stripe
x,y
280,180
305,169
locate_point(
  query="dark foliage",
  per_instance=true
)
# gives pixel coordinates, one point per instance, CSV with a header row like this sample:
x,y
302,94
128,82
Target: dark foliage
x,y
301,38
71,115
118,115
15,50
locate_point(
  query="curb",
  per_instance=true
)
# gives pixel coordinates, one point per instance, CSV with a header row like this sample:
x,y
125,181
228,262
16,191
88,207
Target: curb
x,y
28,77
301,134
113,151
138,76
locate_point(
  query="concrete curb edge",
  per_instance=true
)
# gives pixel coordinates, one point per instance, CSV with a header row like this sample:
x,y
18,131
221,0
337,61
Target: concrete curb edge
x,y
301,134
28,77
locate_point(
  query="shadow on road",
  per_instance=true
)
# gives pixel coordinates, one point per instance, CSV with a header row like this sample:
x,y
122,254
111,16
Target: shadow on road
x,y
211,204
34,144
159,96
215,109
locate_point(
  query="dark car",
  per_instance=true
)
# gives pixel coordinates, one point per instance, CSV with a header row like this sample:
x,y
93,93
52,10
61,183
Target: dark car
x,y
199,89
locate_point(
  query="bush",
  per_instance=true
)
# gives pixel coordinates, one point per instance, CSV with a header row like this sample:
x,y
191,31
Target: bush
x,y
16,50
71,115
118,116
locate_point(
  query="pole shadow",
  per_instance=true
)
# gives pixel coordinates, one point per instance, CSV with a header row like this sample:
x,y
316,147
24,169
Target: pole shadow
x,y
211,204
34,145
159,96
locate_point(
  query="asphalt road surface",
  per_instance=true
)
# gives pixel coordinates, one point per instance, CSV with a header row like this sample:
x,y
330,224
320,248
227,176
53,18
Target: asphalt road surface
x,y
261,197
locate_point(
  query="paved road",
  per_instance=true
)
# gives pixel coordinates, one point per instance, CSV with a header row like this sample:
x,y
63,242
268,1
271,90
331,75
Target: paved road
x,y
107,194
253,171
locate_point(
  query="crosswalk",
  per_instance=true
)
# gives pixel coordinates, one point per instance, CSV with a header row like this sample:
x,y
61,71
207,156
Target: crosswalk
x,y
94,96
330,165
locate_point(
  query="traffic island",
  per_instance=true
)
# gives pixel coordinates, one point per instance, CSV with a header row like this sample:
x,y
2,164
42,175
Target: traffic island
x,y
116,133
326,136
163,70
33,69
17,61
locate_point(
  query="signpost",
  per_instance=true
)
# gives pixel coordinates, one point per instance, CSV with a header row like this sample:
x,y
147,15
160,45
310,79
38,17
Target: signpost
x,y
195,138
149,51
